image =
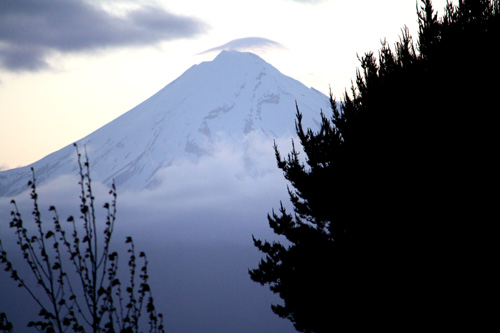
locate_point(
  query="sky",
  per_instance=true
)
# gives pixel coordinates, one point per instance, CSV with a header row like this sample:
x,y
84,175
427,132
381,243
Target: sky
x,y
69,67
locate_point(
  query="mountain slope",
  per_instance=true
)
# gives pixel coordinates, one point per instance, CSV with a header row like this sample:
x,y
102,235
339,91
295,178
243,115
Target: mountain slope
x,y
235,96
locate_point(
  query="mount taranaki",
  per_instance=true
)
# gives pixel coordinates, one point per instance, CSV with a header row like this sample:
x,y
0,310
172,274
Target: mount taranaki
x,y
196,175
224,100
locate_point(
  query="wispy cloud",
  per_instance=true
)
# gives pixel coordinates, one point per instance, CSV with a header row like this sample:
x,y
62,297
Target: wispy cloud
x,y
32,30
234,184
309,1
247,44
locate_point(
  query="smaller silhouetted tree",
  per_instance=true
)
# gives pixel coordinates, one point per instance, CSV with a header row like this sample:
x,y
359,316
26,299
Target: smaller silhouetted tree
x,y
78,272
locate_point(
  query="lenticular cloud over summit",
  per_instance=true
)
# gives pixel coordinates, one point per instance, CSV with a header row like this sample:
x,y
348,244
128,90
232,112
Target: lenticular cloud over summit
x,y
196,175
247,44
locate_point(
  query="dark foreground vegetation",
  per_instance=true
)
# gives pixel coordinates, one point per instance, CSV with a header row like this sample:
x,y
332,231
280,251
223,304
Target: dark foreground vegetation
x,y
393,201
76,281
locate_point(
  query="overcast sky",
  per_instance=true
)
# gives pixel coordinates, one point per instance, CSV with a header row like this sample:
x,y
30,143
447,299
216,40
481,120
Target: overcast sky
x,y
69,67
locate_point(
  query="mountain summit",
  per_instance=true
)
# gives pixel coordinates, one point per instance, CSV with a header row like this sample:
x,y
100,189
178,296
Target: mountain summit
x,y
224,100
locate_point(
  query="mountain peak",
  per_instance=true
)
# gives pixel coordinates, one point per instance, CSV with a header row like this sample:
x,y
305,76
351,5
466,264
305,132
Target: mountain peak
x,y
225,100
231,65
234,54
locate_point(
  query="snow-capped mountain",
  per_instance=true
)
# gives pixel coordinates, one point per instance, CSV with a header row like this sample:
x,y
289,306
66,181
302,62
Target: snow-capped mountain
x,y
227,99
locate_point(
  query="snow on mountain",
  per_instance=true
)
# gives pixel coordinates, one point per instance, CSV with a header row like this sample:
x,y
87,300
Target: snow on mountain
x,y
235,97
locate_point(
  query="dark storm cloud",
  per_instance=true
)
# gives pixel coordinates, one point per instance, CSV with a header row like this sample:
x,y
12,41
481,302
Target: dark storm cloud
x,y
31,30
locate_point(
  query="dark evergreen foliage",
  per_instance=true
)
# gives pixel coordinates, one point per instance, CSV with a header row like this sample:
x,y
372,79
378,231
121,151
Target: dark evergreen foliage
x,y
392,213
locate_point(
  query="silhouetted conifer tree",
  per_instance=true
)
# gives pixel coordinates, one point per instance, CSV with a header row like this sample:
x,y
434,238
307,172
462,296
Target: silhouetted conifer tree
x,y
392,213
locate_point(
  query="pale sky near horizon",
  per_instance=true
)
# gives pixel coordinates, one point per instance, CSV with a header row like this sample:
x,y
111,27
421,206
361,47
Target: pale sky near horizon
x,y
69,67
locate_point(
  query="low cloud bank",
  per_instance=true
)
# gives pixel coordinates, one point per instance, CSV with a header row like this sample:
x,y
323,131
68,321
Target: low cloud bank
x,y
196,227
